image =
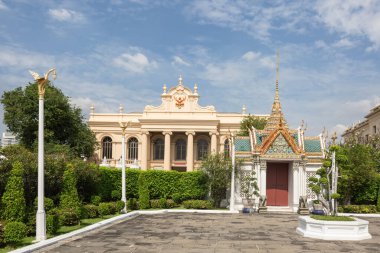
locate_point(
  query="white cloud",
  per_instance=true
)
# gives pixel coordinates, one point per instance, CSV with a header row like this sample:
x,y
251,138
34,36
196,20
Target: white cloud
x,y
179,61
344,43
21,59
3,6
66,15
250,56
135,63
352,18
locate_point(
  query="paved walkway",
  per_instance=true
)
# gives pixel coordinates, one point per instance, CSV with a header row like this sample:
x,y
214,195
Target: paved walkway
x,y
184,232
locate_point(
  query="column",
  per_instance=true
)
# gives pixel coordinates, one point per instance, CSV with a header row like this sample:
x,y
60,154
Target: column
x,y
144,150
190,151
167,160
263,178
213,142
296,182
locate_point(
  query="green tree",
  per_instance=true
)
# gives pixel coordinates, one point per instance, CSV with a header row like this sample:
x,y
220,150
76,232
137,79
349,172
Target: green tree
x,y
218,168
69,199
64,123
251,121
13,200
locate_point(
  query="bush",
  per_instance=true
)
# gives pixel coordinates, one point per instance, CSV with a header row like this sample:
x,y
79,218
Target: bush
x,y
120,206
359,209
155,203
95,200
52,223
68,217
132,204
170,203
116,195
177,198
14,232
69,199
107,208
89,211
13,200
1,234
378,195
197,204
143,192
48,203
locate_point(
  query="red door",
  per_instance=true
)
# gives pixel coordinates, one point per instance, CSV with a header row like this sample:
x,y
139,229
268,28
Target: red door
x,y
277,184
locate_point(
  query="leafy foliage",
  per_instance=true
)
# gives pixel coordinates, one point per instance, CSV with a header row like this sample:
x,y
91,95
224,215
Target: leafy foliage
x,y
143,192
251,121
69,199
14,232
89,211
13,200
218,169
197,204
52,223
248,183
64,123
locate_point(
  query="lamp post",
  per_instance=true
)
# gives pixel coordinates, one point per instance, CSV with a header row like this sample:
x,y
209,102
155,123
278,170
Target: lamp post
x,y
123,126
232,197
41,215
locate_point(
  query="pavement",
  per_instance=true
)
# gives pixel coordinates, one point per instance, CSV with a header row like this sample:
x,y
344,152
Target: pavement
x,y
203,233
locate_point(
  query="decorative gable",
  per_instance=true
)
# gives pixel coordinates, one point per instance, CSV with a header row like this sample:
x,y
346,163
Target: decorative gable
x,y
280,146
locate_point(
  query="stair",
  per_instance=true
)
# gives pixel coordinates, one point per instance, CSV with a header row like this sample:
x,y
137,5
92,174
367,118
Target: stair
x,y
280,209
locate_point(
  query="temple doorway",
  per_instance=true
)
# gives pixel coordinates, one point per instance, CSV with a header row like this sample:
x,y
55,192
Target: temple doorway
x,y
277,184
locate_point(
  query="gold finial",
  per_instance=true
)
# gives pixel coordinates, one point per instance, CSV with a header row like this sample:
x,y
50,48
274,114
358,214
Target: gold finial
x,y
43,80
277,75
164,88
180,79
195,88
334,137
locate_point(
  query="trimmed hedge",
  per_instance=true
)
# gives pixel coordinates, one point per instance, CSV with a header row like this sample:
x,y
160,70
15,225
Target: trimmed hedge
x,y
132,204
52,223
359,209
14,232
89,211
143,192
197,204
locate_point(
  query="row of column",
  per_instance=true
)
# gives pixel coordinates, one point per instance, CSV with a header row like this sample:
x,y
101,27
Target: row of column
x,y
167,160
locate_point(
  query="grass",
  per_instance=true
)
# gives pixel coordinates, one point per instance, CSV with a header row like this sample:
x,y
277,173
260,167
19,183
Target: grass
x,y
62,230
332,218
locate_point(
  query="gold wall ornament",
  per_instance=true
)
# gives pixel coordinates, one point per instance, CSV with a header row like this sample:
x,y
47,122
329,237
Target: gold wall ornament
x,y
42,81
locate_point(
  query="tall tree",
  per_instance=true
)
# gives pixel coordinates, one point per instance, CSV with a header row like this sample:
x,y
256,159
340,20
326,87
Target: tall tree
x,y
64,123
251,121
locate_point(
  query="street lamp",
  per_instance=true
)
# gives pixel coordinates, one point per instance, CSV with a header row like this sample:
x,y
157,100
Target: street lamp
x,y
123,126
232,148
41,215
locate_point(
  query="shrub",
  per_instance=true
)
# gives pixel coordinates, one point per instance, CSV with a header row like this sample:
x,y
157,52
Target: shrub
x,y
89,211
68,217
162,202
197,204
132,204
69,199
170,203
14,232
177,198
95,200
52,223
378,195
107,208
119,206
1,234
155,203
116,195
143,192
13,200
191,185
359,209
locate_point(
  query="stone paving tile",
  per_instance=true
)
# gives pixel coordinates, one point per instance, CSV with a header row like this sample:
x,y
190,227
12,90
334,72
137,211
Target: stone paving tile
x,y
215,233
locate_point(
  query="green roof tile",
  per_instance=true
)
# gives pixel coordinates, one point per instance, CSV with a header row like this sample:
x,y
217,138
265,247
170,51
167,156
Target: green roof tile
x,y
242,144
313,146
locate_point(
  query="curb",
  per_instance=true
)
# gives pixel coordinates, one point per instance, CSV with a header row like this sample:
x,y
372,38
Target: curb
x,y
369,215
131,215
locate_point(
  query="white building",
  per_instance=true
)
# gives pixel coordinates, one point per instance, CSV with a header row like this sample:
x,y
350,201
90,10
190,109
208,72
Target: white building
x,y
8,139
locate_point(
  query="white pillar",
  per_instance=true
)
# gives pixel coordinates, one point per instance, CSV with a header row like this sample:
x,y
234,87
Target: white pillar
x,y
296,184
144,151
232,197
167,160
213,142
190,151
123,188
263,179
41,215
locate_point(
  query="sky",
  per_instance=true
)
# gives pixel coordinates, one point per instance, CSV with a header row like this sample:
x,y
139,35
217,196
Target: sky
x,y
109,53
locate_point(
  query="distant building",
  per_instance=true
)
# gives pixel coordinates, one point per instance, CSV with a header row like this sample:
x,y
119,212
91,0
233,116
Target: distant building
x,y
8,139
364,131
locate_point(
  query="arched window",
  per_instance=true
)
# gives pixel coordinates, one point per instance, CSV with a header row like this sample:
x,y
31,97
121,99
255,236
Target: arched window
x,y
158,149
202,148
226,148
180,149
133,148
107,147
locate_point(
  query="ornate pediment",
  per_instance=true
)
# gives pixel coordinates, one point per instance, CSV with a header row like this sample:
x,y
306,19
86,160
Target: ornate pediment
x,y
179,99
279,146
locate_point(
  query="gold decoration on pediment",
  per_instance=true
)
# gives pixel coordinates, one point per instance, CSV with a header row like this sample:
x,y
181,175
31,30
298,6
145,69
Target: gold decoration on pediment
x,y
280,143
179,97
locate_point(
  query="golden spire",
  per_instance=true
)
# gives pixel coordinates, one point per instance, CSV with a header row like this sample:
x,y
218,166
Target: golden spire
x,y
276,119
277,97
180,80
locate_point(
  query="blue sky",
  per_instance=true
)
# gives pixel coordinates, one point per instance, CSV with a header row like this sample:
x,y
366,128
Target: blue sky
x,y
114,52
